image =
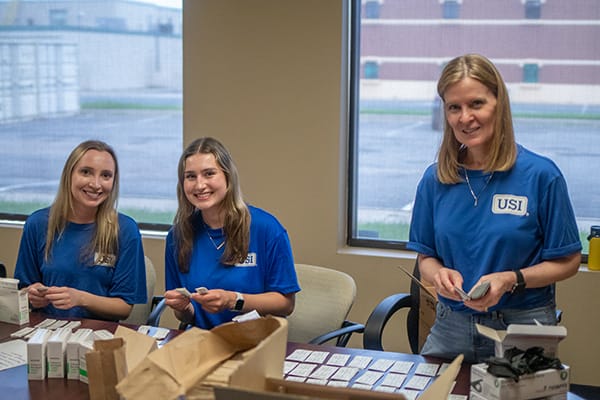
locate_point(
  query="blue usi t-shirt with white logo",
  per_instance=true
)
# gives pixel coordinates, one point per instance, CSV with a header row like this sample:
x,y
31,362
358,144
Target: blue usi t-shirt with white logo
x,y
269,266
522,217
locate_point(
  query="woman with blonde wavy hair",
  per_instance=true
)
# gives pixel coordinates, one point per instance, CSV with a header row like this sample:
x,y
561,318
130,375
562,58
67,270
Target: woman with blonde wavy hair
x,y
490,217
80,257
223,256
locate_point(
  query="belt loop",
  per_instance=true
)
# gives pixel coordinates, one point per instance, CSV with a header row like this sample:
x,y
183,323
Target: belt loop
x,y
496,315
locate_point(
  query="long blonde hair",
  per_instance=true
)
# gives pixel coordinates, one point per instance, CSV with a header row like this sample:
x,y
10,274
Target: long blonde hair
x,y
503,149
105,240
237,217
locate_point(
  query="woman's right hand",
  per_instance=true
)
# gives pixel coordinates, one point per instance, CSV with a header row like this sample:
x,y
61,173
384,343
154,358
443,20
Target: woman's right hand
x,y
37,298
445,280
176,300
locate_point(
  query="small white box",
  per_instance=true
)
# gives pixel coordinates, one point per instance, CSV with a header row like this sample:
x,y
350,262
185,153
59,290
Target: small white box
x,y
36,354
525,336
73,344
57,344
88,345
84,347
548,382
14,303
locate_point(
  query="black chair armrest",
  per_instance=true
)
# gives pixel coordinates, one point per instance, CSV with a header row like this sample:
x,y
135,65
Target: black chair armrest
x,y
158,306
342,334
380,316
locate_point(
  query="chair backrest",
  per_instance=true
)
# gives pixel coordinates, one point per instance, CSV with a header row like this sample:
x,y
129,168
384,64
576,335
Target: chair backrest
x,y
139,313
323,303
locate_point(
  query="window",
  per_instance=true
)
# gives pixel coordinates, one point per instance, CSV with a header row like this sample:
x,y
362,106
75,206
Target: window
x,y
451,9
89,72
396,120
372,9
530,73
371,70
533,9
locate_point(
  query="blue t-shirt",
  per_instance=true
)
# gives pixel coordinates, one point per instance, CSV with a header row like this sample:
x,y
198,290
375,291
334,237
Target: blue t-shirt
x,y
125,279
269,266
523,217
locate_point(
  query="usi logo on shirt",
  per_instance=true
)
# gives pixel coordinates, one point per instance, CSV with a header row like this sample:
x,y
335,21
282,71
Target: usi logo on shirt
x,y
249,262
509,204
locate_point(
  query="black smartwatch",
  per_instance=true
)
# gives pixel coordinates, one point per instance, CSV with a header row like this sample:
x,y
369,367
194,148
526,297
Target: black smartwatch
x,y
239,302
519,286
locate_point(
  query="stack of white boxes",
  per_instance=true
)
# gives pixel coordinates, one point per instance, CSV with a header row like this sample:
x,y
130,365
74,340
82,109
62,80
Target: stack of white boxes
x,y
549,384
60,352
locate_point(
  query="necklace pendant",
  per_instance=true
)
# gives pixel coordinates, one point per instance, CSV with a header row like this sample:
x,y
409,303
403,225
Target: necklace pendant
x,y
475,203
220,246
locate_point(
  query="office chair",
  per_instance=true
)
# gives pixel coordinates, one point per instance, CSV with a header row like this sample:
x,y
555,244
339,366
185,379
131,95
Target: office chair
x,y
320,311
2,271
379,317
140,312
322,307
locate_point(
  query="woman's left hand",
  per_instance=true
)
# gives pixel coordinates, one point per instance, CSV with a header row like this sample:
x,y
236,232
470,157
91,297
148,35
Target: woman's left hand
x,y
63,297
500,283
215,300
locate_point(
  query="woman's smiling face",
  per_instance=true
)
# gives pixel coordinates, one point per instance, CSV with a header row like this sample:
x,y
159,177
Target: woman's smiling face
x,y
470,109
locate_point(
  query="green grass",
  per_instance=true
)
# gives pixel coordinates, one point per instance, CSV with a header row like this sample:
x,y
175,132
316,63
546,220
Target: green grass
x,y
115,105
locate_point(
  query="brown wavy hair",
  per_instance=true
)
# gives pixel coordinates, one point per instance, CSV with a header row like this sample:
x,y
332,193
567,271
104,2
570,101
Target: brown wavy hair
x,y
237,217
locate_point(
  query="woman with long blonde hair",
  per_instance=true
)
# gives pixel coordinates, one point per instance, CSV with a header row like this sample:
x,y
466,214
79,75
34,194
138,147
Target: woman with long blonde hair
x,y
80,257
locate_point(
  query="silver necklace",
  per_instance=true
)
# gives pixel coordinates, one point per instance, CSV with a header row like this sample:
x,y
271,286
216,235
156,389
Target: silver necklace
x,y
476,196
212,240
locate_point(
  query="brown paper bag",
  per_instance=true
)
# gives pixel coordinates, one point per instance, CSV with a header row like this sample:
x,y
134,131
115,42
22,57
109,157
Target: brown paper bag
x,y
175,368
106,365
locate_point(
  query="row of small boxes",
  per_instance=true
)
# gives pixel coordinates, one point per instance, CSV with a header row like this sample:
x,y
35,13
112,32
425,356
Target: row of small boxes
x,y
61,353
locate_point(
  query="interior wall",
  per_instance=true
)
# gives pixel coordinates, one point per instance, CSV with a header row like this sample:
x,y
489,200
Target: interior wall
x,y
266,78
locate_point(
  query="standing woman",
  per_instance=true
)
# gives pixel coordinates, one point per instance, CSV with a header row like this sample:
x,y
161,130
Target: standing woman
x,y
239,253
489,210
80,258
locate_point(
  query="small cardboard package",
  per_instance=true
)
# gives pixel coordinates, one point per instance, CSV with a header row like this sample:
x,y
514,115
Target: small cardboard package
x,y
545,383
36,354
14,303
56,352
112,359
525,336
72,353
427,306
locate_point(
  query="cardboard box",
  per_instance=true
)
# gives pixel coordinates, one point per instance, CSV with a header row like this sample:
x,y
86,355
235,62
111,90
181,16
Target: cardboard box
x,y
525,336
72,351
56,353
245,358
427,306
36,354
549,382
14,303
476,396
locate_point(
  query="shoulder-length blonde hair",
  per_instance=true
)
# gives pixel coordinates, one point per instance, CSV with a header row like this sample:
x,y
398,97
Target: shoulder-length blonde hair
x,y
237,217
503,149
105,241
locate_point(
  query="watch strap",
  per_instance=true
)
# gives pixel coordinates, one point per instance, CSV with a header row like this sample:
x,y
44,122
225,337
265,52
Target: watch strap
x,y
519,285
239,302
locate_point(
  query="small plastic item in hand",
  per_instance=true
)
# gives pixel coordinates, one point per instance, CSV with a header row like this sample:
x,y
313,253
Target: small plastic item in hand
x,y
201,290
184,291
42,289
478,292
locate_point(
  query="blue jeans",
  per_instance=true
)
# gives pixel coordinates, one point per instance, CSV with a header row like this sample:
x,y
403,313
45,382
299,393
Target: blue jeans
x,y
454,333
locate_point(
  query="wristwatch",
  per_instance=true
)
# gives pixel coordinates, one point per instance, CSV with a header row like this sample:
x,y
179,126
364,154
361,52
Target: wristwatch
x,y
519,286
239,302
